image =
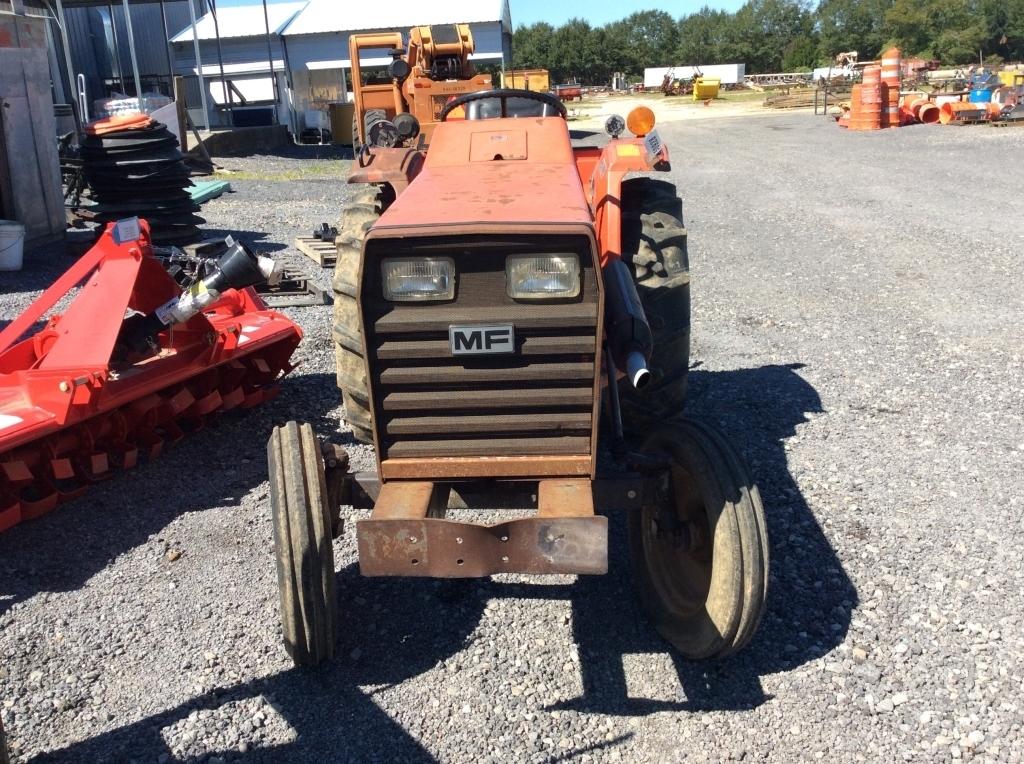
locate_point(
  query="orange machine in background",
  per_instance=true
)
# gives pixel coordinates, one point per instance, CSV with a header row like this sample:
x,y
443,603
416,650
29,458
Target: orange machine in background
x,y
434,69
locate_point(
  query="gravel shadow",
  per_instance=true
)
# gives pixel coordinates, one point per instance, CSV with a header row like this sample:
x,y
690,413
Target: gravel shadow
x,y
392,629
64,549
40,268
260,242
333,719
395,629
810,596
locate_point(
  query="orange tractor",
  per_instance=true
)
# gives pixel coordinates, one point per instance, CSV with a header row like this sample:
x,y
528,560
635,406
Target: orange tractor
x,y
505,302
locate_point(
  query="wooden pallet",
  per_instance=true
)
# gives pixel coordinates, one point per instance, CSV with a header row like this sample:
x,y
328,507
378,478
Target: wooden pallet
x,y
293,290
321,252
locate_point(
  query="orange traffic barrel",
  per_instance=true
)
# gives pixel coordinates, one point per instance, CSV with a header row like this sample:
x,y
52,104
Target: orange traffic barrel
x,y
855,107
928,113
891,78
962,111
906,115
867,101
917,108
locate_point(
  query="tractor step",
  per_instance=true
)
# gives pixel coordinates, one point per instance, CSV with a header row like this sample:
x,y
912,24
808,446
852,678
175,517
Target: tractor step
x,y
406,535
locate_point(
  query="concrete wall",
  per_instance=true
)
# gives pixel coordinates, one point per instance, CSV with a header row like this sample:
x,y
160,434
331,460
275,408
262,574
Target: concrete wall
x,y
30,188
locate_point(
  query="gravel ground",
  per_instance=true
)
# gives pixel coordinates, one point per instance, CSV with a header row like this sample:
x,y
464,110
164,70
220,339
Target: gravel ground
x,y
857,314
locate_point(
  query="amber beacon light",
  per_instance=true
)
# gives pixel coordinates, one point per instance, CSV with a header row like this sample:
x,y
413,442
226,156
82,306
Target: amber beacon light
x,y
640,121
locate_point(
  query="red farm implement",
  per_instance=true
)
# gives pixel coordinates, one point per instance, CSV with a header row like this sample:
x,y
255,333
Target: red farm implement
x,y
134,363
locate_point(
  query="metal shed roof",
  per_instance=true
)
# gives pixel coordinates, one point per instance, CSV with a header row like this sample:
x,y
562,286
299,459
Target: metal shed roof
x,y
243,21
326,16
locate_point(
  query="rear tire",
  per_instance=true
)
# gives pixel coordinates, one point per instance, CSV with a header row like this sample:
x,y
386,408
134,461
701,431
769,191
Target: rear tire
x,y
302,544
699,547
369,116
358,217
654,247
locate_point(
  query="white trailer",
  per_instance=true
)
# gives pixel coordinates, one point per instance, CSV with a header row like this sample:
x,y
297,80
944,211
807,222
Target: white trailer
x,y
729,74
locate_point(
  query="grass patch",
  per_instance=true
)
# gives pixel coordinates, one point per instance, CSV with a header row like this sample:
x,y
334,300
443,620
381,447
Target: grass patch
x,y
337,169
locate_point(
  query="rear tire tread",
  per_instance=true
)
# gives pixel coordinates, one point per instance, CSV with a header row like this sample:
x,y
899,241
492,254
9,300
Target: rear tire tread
x,y
654,247
359,216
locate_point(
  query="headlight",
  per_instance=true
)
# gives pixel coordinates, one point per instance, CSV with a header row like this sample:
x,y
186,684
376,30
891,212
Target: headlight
x,y
417,279
539,277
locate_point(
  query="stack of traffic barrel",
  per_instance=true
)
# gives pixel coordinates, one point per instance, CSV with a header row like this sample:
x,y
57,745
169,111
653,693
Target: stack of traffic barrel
x,y
891,87
866,101
134,167
875,103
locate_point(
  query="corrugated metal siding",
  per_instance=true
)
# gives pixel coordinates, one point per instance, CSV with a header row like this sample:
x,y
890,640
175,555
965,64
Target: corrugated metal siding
x,y
89,52
150,43
91,40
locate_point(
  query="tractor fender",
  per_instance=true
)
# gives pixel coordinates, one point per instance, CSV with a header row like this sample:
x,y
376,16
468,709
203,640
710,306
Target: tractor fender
x,y
395,167
602,173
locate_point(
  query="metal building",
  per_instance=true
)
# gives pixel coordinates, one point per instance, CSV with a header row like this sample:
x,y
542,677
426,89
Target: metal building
x,y
98,38
242,58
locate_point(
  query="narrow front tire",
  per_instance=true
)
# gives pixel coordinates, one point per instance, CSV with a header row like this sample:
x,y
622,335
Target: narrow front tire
x,y
302,544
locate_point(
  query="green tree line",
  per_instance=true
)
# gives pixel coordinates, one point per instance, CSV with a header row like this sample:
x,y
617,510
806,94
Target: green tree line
x,y
775,35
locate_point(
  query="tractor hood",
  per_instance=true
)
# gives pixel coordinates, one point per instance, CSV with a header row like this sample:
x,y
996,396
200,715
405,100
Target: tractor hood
x,y
495,172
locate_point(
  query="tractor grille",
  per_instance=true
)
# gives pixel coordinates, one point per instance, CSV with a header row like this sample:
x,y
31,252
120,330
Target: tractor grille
x,y
538,401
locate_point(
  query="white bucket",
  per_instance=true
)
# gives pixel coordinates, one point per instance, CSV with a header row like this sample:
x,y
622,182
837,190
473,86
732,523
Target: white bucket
x,y
12,245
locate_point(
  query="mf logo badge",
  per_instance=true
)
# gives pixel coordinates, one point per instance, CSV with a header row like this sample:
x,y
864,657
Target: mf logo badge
x,y
474,340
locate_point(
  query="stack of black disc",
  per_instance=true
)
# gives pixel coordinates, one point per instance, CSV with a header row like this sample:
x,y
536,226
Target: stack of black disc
x,y
140,172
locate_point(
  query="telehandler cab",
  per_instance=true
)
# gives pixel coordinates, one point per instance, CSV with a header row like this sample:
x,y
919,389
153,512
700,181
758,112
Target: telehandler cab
x,y
504,302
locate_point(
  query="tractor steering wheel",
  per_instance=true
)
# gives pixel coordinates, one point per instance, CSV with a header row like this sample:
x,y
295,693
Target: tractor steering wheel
x,y
504,94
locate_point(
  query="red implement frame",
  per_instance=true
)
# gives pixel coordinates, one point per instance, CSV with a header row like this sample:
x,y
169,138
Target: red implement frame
x,y
70,411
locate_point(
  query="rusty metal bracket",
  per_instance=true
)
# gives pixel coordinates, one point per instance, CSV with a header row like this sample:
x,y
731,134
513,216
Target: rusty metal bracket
x,y
448,549
406,535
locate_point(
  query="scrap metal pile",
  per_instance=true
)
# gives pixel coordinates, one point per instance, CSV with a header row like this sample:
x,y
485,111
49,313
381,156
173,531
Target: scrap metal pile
x,y
134,166
980,96
138,359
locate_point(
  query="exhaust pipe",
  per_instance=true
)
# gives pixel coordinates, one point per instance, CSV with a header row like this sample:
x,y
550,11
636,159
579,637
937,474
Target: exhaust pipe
x,y
629,334
636,368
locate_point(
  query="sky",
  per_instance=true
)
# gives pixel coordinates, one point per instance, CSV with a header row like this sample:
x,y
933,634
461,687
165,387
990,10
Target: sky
x,y
600,12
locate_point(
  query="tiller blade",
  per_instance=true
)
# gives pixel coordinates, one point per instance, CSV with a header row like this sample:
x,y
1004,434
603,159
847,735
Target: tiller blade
x,y
79,401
